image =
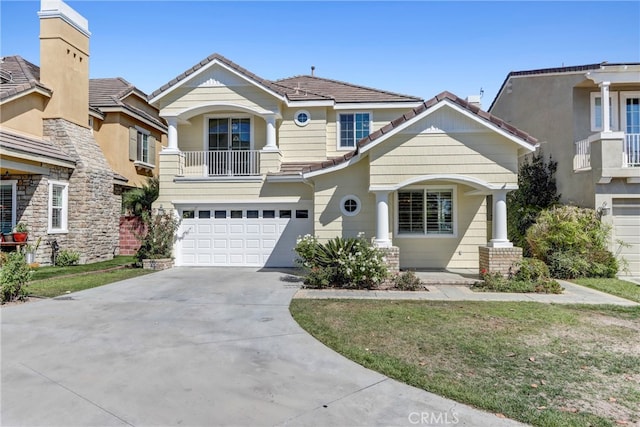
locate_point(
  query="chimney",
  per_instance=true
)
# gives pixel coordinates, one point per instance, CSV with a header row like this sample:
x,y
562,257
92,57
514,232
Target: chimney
x,y
64,61
475,100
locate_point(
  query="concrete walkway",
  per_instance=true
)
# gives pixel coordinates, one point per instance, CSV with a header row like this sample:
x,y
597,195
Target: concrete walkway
x,y
195,347
455,286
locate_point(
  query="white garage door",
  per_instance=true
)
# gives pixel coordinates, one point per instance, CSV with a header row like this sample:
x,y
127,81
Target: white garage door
x,y
626,227
241,235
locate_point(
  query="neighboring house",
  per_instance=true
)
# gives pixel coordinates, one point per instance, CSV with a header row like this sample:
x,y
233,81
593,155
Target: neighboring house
x,y
128,129
253,164
65,163
596,144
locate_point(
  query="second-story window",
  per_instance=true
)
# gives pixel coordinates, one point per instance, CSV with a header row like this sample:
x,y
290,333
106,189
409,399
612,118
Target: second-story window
x,y
229,133
352,128
142,147
596,111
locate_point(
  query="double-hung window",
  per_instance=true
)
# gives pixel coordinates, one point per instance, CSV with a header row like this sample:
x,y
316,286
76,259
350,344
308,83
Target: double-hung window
x,y
352,128
7,206
426,211
58,206
142,147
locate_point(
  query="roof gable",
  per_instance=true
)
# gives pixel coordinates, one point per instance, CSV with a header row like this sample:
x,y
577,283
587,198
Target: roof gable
x,y
204,74
471,111
19,76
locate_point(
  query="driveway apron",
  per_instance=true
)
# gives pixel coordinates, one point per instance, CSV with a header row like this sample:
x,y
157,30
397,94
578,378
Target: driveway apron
x,y
194,347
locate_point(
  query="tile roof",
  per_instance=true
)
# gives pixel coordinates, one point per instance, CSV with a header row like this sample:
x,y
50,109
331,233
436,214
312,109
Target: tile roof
x,y
488,117
300,88
18,75
112,92
29,145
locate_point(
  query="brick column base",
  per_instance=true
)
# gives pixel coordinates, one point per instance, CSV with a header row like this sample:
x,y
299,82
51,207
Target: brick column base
x,y
498,260
392,258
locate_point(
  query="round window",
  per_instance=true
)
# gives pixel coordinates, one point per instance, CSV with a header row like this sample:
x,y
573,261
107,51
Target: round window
x,y
302,117
350,205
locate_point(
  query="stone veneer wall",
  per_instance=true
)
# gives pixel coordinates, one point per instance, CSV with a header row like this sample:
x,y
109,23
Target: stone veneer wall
x,y
498,260
392,258
94,202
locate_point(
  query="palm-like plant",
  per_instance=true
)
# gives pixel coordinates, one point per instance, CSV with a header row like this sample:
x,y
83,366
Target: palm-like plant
x,y
139,200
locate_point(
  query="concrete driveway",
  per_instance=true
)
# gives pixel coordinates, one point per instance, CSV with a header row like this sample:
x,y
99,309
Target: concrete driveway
x,y
194,347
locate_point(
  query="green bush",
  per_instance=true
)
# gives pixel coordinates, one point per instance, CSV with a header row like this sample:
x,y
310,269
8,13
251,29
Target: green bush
x,y
572,241
528,275
407,281
341,262
156,239
14,276
65,258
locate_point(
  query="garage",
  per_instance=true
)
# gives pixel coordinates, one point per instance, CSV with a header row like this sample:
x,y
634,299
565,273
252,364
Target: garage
x,y
626,227
243,235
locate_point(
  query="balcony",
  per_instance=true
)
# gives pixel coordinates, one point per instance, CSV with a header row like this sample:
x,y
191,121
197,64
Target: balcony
x,y
227,163
610,154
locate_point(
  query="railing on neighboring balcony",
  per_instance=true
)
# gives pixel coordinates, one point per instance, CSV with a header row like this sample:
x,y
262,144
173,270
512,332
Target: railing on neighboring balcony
x,y
221,163
582,157
632,150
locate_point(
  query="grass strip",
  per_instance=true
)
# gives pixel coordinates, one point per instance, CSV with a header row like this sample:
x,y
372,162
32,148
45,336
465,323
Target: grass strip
x,y
54,272
542,364
617,287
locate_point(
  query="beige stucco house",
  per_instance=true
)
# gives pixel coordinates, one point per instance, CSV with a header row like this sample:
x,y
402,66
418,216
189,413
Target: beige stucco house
x,y
253,164
596,144
69,146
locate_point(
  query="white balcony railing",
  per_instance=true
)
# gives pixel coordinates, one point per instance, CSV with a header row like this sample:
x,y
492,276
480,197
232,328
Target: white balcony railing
x,y
632,150
582,157
221,163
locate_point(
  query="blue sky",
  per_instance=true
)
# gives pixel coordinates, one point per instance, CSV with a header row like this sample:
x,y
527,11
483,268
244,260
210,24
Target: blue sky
x,y
419,48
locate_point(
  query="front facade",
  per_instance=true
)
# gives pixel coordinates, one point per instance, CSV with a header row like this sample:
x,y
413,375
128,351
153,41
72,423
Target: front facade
x,y
252,164
596,144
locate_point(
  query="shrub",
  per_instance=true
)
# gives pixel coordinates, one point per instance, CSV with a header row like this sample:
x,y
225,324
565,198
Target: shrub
x,y
65,258
345,263
156,241
14,276
572,241
320,277
529,275
407,281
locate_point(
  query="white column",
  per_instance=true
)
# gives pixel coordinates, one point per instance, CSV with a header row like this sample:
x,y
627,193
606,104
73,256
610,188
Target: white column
x,y
172,134
606,111
271,134
382,220
500,239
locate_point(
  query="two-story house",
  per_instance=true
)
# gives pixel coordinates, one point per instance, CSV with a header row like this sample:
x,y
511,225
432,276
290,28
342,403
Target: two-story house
x,y
253,164
70,146
596,143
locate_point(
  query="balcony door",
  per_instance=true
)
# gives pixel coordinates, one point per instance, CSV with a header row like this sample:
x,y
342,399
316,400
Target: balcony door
x,y
631,126
229,145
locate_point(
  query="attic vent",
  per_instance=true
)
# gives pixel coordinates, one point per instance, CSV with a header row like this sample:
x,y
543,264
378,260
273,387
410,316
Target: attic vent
x,y
6,76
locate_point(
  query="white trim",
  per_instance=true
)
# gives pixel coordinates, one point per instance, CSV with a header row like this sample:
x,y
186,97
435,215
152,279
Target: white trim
x,y
425,235
65,208
299,123
623,107
211,107
614,110
307,104
205,69
377,105
143,165
59,9
350,197
338,127
14,199
273,200
462,179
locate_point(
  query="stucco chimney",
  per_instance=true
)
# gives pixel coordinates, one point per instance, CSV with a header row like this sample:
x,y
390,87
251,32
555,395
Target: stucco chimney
x,y
64,61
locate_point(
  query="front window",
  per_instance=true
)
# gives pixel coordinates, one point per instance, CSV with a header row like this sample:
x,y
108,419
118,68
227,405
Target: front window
x,y
353,127
426,211
229,133
596,111
7,206
58,202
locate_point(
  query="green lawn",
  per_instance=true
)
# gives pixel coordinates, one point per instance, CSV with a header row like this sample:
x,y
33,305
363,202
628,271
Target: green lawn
x,y
543,364
616,287
49,282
